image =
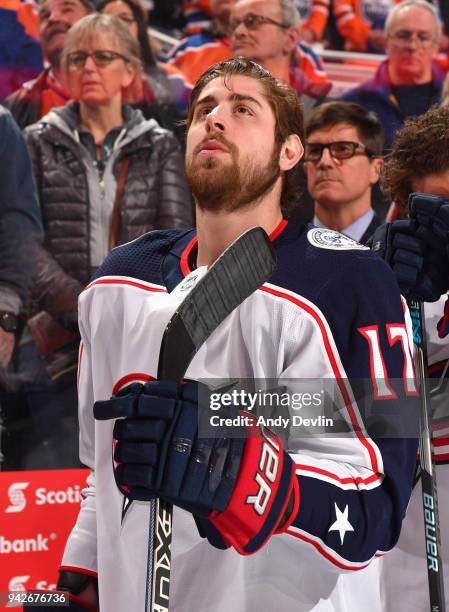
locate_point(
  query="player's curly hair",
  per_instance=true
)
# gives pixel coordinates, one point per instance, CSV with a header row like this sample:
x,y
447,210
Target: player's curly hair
x,y
284,102
421,147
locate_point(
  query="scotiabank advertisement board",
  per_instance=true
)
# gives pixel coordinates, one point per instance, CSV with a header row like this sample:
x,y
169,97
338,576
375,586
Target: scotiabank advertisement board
x,y
37,512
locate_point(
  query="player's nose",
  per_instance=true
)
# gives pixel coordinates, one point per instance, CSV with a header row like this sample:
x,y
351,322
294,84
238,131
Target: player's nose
x,y
216,119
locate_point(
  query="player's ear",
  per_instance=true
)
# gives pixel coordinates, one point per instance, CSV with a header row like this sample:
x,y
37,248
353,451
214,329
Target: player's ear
x,y
291,152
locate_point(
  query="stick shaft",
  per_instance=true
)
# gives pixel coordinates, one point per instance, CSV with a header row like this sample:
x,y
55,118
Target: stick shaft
x,y
241,269
427,462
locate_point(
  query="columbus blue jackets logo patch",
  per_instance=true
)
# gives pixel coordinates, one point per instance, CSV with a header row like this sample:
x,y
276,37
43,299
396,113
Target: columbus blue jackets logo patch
x,y
329,239
187,284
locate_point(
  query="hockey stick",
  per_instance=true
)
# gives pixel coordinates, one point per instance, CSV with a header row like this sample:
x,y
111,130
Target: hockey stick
x,y
427,463
242,268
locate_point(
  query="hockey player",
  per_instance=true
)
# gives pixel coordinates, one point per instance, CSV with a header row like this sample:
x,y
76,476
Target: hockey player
x,y
249,534
417,251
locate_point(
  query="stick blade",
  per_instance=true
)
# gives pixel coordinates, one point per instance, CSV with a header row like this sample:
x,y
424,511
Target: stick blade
x,y
242,268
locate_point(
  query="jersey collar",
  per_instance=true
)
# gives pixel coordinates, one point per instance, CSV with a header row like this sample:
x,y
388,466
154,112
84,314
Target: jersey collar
x,y
193,243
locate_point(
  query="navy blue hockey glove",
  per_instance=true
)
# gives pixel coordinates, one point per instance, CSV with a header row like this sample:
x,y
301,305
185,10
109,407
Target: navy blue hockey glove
x,y
421,271
432,215
241,489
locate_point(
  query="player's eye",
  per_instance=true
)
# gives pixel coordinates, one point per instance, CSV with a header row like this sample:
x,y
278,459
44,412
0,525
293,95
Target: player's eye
x,y
202,112
242,110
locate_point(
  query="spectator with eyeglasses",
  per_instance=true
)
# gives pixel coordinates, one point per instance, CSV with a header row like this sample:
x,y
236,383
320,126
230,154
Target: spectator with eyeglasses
x,y
270,20
104,175
267,32
162,84
36,98
343,162
408,82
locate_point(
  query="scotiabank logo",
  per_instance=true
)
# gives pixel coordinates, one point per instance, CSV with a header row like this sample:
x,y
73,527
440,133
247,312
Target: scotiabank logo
x,y
17,497
42,496
71,495
18,583
25,545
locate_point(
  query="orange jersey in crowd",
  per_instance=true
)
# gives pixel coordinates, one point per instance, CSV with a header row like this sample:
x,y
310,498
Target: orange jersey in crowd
x,y
26,13
195,54
316,18
198,15
314,15
355,18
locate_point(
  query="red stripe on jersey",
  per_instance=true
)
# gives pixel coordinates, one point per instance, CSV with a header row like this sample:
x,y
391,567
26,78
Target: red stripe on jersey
x,y
359,480
327,554
122,281
140,377
78,570
185,256
278,230
185,269
441,441
338,375
441,458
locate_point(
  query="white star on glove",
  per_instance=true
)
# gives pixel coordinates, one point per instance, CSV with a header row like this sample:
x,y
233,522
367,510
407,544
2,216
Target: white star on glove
x,y
342,525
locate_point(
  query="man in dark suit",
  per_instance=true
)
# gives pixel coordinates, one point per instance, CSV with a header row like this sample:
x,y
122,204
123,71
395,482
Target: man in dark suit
x,y
343,161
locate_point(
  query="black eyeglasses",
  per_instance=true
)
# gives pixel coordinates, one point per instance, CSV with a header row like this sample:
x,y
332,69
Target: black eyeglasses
x,y
253,22
342,149
102,58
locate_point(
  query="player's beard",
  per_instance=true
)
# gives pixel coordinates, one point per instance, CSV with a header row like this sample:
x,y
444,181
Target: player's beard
x,y
219,185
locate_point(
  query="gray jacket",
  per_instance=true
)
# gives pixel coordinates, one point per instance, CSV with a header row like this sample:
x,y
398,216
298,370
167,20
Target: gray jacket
x,y
77,198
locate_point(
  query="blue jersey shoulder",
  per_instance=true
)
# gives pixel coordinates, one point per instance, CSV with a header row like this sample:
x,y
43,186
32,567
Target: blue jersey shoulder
x,y
310,259
142,258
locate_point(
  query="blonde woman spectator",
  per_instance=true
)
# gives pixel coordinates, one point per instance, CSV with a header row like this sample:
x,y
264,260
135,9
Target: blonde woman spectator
x,y
104,175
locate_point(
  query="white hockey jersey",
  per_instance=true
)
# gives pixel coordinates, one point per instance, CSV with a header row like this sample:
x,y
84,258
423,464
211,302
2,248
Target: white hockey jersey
x,y
331,311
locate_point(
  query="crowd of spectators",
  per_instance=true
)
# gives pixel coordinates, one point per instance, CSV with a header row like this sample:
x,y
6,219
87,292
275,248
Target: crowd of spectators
x,y
100,104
